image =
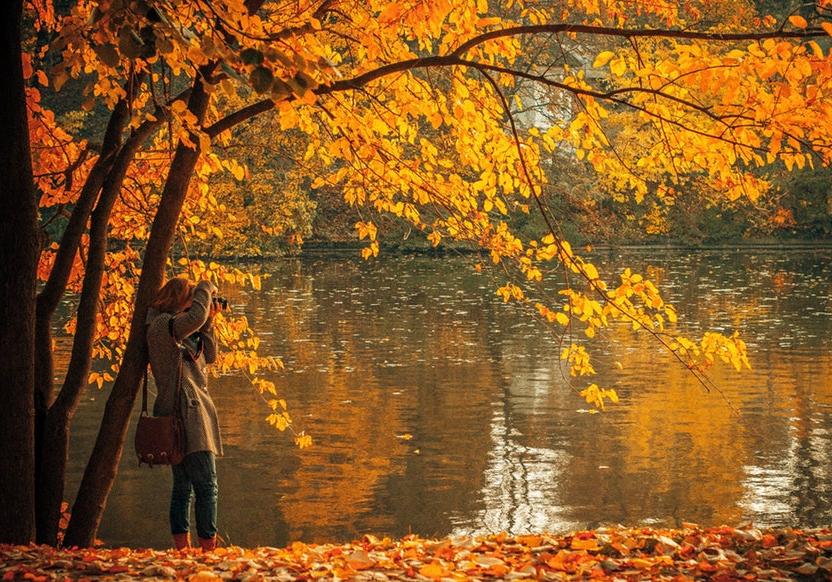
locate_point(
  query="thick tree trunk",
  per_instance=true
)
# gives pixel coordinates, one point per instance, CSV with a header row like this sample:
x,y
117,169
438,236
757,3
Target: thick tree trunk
x,y
18,264
102,467
55,445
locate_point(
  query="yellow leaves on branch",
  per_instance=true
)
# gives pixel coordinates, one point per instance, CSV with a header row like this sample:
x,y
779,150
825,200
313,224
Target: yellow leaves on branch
x,y
366,230
551,315
432,145
220,274
99,378
597,396
578,359
303,440
602,59
636,302
369,231
370,251
729,349
511,291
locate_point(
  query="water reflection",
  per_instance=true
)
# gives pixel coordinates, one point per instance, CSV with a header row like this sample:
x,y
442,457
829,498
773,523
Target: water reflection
x,y
421,347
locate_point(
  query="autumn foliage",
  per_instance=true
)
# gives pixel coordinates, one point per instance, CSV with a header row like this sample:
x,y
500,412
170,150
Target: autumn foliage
x,y
688,553
407,110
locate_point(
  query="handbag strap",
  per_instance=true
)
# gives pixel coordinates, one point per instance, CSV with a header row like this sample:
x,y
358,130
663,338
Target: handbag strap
x,y
176,395
177,405
144,391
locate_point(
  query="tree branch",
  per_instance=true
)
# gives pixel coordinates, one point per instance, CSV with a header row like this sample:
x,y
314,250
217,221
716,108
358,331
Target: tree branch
x,y
455,58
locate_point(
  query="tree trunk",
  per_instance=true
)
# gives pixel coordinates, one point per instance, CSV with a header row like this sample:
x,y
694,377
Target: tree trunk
x,y
55,286
18,267
102,467
47,514
55,445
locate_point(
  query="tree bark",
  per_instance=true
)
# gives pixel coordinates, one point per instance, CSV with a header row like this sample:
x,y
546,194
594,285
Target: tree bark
x,y
55,286
55,446
18,268
46,424
102,467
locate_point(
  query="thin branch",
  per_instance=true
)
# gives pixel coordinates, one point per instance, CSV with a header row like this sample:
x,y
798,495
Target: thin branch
x,y
698,374
454,58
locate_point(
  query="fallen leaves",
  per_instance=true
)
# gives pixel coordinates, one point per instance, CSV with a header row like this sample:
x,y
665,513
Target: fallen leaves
x,y
689,553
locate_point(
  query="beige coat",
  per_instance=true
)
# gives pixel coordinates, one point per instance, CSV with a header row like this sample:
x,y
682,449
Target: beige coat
x,y
202,429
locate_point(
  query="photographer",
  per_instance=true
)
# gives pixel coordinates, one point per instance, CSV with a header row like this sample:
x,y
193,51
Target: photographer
x,y
180,333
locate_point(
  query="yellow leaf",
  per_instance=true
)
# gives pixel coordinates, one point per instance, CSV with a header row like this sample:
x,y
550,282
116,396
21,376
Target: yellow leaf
x,y
303,440
204,576
590,544
590,271
561,318
618,66
602,59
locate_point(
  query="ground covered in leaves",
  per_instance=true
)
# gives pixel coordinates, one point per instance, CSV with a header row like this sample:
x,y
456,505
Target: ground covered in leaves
x,y
689,553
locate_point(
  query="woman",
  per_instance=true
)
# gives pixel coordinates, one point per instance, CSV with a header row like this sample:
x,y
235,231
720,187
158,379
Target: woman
x,y
179,326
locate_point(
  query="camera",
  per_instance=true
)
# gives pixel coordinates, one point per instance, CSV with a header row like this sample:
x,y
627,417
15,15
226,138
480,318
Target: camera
x,y
220,303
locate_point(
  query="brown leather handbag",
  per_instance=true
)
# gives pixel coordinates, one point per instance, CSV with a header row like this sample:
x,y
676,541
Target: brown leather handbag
x,y
160,440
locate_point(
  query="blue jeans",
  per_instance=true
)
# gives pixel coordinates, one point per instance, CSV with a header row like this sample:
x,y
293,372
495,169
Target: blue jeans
x,y
197,472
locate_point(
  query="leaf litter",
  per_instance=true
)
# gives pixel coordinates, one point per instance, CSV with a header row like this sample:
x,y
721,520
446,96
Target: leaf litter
x,y
614,553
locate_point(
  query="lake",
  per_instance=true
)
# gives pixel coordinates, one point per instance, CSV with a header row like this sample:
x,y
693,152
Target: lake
x,y
436,409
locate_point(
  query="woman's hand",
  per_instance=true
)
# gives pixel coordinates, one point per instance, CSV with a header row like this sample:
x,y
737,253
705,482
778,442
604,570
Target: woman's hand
x,y
212,289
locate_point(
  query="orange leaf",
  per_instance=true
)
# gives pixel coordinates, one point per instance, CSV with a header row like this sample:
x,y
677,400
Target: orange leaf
x,y
588,544
433,571
359,560
798,21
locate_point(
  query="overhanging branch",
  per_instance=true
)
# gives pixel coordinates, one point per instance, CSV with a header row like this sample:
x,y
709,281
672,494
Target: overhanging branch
x,y
455,57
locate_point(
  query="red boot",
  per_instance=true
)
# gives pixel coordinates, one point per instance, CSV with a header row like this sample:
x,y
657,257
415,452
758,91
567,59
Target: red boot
x,y
181,541
208,544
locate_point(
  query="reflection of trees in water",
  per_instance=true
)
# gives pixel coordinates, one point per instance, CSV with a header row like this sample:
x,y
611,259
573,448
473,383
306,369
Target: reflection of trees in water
x,y
521,479
365,355
501,444
422,347
797,480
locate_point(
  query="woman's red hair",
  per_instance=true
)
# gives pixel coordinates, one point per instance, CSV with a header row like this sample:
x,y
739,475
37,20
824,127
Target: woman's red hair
x,y
174,295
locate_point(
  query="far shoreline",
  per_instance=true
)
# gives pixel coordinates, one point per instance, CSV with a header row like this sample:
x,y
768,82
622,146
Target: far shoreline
x,y
342,249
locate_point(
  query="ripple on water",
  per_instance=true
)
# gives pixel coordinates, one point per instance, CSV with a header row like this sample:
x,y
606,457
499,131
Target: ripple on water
x,y
437,409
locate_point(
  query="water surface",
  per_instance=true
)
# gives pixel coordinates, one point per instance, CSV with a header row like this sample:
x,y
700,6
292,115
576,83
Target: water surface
x,y
436,409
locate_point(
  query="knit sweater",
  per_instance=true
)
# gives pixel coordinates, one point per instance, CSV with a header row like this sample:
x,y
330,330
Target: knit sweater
x,y
202,431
